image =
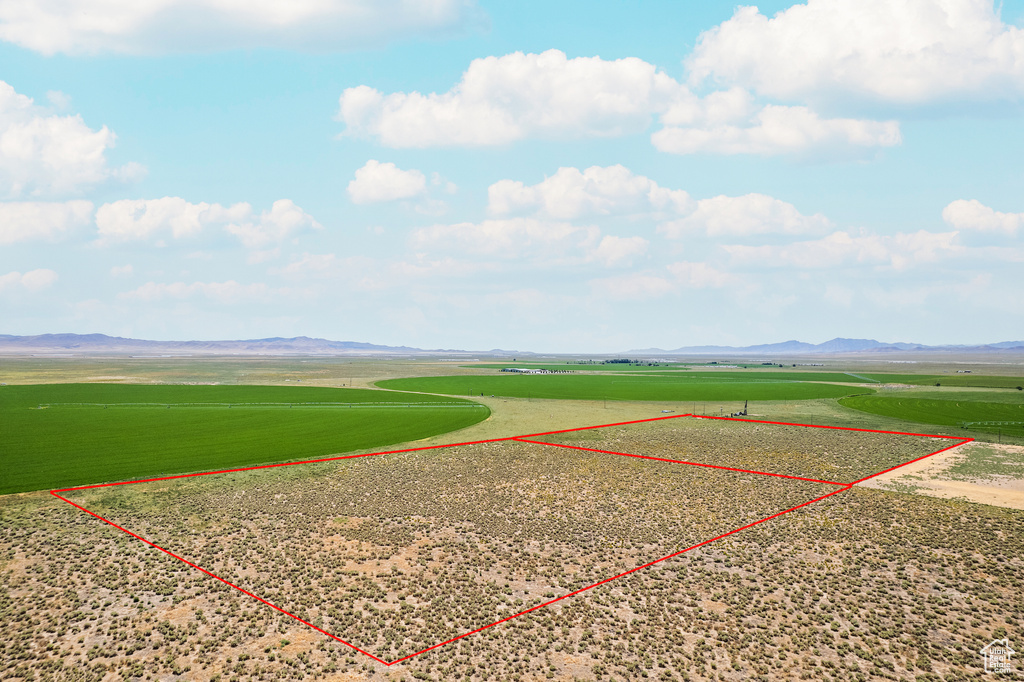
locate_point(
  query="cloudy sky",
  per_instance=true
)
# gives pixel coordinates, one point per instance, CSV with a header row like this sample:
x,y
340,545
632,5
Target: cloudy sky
x,y
585,176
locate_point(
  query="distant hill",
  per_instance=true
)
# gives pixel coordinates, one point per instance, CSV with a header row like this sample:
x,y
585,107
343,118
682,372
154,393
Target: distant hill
x,y
299,345
837,345
97,344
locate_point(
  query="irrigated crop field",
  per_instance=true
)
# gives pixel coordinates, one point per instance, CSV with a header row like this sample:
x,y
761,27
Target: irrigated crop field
x,y
967,411
676,387
58,435
701,372
956,380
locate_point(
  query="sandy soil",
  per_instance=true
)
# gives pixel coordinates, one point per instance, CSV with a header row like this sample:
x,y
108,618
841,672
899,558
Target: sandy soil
x,y
931,477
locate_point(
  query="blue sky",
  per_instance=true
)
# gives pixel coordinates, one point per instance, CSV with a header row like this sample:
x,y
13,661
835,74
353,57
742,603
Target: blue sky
x,y
583,177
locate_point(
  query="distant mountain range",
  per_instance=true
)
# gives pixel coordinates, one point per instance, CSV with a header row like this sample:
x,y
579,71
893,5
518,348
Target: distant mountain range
x,y
837,345
300,345
91,344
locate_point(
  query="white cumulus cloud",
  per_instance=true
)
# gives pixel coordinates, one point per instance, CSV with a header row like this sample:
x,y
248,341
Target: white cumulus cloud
x,y
904,51
283,220
571,193
504,99
33,280
612,250
132,219
43,154
28,220
744,215
136,219
376,182
162,26
973,215
517,96
777,129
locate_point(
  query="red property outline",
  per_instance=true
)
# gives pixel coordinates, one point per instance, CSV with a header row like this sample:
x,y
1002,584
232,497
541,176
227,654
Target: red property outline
x,y
840,487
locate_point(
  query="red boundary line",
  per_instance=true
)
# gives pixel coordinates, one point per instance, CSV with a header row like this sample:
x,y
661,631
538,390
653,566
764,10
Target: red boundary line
x,y
825,426
843,487
632,570
214,575
281,464
677,461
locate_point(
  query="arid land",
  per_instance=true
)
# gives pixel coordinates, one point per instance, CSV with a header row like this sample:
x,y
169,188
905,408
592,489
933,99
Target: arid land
x,y
399,552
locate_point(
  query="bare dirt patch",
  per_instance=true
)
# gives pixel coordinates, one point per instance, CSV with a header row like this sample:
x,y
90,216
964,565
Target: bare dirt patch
x,y
986,473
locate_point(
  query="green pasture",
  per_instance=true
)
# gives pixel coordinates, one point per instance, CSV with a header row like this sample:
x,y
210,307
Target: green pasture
x,y
968,394
976,415
697,375
61,435
617,387
768,375
958,380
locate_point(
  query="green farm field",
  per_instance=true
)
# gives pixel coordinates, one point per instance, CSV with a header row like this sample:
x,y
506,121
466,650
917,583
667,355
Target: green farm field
x,y
697,375
60,435
618,387
962,411
960,380
760,376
